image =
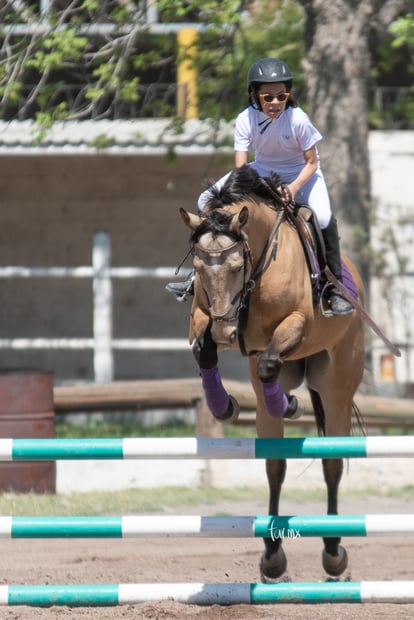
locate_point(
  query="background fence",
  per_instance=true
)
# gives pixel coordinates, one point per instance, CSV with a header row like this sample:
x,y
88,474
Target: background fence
x,y
101,274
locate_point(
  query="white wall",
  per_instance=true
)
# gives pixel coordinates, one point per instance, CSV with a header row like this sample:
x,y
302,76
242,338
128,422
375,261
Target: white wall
x,y
392,303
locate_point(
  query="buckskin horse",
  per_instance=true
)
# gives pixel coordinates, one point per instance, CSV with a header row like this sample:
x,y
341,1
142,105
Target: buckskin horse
x,y
254,292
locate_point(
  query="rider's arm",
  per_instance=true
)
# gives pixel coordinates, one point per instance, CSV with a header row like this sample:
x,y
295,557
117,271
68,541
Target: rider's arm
x,y
240,158
308,170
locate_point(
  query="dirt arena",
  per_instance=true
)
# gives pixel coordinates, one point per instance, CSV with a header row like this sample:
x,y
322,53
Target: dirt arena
x,y
210,560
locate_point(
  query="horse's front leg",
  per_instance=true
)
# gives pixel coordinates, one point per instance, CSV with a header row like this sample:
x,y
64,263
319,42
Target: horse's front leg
x,y
287,337
222,405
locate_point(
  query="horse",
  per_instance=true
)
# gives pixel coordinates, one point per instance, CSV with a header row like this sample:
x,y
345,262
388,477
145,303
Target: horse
x,y
253,292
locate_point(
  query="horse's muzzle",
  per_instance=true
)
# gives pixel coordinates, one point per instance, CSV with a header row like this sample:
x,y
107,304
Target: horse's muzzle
x,y
224,333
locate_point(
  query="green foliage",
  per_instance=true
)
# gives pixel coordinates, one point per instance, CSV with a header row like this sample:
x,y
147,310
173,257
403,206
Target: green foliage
x,y
212,12
56,49
125,67
396,50
223,67
162,500
129,501
403,31
115,67
102,142
46,119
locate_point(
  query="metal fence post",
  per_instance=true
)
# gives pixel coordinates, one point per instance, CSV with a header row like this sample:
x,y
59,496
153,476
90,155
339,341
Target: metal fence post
x,y
102,307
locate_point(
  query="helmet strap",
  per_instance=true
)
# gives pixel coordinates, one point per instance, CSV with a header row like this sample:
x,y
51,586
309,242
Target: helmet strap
x,y
254,100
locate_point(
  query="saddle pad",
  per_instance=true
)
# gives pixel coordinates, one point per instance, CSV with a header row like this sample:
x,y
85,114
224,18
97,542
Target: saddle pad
x,y
348,281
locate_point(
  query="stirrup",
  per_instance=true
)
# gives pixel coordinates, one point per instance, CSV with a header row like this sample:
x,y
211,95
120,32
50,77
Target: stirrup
x,y
339,305
183,289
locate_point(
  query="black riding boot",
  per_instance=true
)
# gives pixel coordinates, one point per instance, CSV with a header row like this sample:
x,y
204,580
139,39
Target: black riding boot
x,y
182,289
339,305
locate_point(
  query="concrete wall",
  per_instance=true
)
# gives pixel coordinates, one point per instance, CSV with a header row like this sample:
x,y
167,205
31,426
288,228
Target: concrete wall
x,y
52,205
392,300
50,208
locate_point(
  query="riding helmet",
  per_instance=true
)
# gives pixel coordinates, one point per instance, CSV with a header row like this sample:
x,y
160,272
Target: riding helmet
x,y
268,70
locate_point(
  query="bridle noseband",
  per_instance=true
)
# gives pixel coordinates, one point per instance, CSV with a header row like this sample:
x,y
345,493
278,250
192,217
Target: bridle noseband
x,y
250,278
231,312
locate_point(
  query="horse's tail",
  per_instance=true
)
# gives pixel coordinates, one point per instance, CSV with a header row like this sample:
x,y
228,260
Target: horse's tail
x,y
359,419
319,413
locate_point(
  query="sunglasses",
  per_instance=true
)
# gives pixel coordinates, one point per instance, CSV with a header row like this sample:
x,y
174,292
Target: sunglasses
x,y
268,97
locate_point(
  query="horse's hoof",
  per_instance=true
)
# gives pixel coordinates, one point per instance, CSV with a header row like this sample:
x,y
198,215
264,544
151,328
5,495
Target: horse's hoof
x,y
335,565
295,408
272,568
232,413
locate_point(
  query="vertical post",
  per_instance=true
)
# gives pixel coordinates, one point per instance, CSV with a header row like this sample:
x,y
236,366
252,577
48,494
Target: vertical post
x,y
207,426
187,103
102,307
151,10
45,6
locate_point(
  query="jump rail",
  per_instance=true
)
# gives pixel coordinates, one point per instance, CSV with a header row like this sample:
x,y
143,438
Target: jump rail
x,y
203,448
267,526
208,593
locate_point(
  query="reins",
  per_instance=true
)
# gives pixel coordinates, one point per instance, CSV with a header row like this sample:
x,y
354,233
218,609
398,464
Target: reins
x,y
247,257
262,265
260,268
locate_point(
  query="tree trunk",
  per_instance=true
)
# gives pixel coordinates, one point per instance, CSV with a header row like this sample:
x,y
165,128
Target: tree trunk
x,y
338,66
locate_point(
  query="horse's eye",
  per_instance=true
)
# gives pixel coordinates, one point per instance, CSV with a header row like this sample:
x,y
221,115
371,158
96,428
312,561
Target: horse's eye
x,y
236,268
197,264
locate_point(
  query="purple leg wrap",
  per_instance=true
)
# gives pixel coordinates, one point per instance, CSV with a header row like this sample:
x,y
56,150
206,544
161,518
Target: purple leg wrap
x,y
216,396
275,399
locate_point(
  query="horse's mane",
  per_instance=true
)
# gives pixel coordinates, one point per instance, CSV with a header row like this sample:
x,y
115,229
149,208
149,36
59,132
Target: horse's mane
x,y
244,183
216,223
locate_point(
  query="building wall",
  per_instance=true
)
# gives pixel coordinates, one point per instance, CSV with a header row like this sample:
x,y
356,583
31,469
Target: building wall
x,y
392,299
50,208
52,205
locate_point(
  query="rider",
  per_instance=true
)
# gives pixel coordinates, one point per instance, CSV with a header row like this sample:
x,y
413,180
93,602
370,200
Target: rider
x,y
284,141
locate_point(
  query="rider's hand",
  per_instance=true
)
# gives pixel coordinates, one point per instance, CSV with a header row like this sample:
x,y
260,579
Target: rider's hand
x,y
285,194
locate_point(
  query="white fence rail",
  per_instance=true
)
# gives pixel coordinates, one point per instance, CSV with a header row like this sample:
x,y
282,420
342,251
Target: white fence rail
x,y
101,273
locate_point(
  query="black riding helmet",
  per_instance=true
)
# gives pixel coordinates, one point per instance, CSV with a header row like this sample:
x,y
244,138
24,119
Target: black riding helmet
x,y
267,71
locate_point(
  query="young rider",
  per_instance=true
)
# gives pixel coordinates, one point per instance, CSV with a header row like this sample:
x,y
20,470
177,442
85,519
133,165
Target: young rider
x,y
284,141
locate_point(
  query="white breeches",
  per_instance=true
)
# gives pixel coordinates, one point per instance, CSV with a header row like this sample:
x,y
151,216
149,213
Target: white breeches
x,y
314,193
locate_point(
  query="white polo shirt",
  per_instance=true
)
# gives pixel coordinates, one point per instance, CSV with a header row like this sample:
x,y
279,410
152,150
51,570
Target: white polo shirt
x,y
278,144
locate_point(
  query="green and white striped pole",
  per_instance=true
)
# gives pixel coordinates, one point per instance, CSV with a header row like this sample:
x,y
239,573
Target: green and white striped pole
x,y
208,594
203,448
267,526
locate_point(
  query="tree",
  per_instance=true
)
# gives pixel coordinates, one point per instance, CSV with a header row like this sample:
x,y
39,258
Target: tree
x,y
80,59
121,63
337,68
116,59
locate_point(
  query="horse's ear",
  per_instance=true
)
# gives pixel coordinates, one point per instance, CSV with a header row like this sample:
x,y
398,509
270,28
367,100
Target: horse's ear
x,y
239,220
190,219
243,216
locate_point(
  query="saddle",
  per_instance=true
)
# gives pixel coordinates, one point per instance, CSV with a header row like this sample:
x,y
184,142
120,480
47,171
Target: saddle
x,y
302,218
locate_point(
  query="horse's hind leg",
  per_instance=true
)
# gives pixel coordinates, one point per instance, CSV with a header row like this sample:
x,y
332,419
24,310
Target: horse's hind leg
x,y
273,562
334,556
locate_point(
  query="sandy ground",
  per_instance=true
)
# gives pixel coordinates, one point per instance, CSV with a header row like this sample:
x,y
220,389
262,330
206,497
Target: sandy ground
x,y
209,560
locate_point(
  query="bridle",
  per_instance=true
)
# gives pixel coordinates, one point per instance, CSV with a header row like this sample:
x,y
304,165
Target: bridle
x,y
231,312
239,311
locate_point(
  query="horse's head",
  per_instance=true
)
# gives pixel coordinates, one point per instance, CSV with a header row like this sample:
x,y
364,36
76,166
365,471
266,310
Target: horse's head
x,y
222,261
